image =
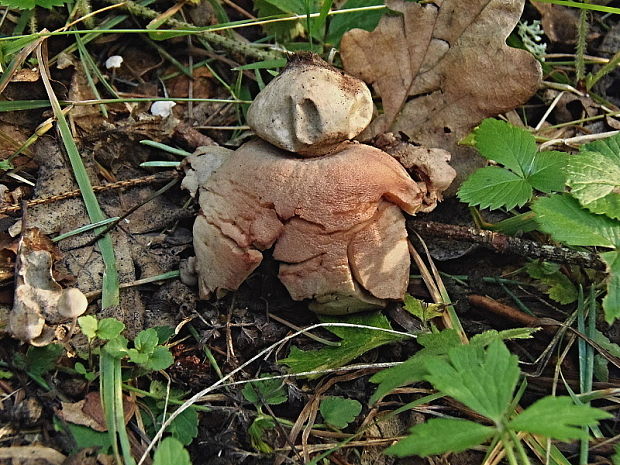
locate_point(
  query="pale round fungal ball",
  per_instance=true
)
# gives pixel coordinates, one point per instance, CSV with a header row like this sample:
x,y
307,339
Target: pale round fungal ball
x,y
311,108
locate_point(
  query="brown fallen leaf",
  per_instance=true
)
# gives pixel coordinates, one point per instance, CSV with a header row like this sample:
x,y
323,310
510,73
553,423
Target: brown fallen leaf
x,y
89,411
560,23
440,68
31,455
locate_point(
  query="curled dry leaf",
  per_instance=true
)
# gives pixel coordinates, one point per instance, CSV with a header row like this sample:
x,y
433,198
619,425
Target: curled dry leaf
x,y
429,166
442,67
39,300
89,411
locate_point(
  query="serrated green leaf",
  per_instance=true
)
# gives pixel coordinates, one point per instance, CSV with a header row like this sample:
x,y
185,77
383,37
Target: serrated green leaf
x,y
19,4
506,144
610,147
109,328
41,360
338,411
269,391
483,380
164,333
605,343
547,173
159,359
557,418
594,180
494,187
440,435
486,338
611,302
341,23
421,310
414,370
355,342
146,341
566,221
524,169
30,4
117,347
184,427
563,218
137,357
88,325
171,451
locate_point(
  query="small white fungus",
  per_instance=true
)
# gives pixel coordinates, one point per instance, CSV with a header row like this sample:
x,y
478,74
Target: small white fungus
x,y
162,109
115,61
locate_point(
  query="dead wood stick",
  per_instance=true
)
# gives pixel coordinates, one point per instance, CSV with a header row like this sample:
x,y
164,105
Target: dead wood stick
x,y
155,178
507,244
505,311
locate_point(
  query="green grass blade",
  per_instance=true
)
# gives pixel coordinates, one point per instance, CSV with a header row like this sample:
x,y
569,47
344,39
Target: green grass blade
x,y
89,66
106,388
110,291
17,105
165,148
95,69
88,227
583,6
160,164
119,414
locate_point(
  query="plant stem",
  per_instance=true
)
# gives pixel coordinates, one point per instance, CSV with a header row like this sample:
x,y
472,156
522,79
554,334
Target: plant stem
x,y
119,413
582,34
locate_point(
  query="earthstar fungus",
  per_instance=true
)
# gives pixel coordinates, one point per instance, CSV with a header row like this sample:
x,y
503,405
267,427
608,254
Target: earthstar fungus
x,y
330,208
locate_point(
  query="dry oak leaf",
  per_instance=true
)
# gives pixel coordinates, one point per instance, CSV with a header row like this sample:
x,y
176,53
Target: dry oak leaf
x,y
441,68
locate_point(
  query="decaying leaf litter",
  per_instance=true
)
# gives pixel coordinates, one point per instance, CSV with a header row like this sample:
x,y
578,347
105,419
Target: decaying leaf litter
x,y
453,70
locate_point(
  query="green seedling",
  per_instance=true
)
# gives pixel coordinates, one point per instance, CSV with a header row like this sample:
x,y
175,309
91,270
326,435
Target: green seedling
x,y
339,412
484,377
260,393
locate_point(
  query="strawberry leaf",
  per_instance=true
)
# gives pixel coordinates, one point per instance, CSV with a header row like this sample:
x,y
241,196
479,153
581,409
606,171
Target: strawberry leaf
x,y
494,187
594,176
506,144
525,169
563,218
566,221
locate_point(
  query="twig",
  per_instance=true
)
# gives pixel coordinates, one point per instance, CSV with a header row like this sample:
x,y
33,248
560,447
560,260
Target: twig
x,y
506,311
155,178
507,244
578,140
